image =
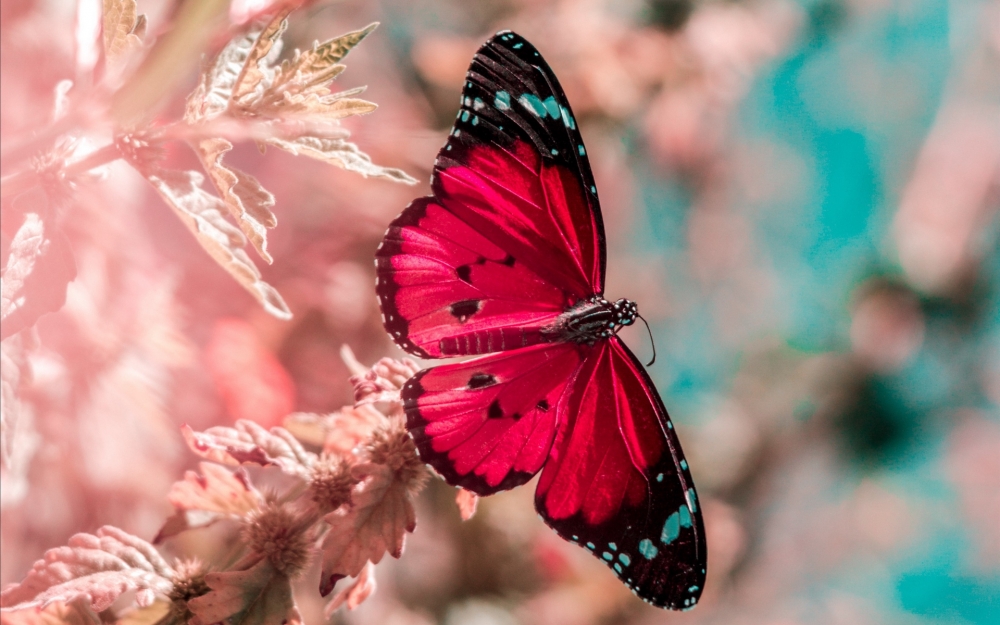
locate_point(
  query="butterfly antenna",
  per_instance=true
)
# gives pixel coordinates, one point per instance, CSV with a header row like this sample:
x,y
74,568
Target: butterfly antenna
x,y
651,342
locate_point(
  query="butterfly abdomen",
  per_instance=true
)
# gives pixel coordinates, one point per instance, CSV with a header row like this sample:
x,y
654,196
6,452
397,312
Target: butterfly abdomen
x,y
591,320
490,340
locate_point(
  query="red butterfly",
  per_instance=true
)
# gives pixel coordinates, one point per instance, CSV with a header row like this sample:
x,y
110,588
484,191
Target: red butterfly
x,y
507,259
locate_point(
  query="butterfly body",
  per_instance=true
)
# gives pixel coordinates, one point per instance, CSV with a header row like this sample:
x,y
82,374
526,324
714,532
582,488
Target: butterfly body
x,y
506,262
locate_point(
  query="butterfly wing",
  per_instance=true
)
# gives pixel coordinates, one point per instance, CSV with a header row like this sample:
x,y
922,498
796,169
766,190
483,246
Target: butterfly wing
x,y
616,481
513,234
487,424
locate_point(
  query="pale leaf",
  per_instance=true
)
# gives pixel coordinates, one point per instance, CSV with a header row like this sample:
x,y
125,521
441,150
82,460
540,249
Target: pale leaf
x,y
255,74
119,22
376,521
184,520
336,151
258,595
211,98
382,382
467,502
96,569
248,202
249,442
352,596
316,108
315,67
216,490
39,267
338,432
201,213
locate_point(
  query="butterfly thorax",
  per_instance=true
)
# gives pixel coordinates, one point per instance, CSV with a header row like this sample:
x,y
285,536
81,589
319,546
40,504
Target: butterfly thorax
x,y
591,320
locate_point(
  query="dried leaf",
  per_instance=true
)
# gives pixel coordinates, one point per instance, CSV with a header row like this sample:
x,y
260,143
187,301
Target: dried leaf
x,y
96,569
201,213
38,269
320,65
248,442
258,595
467,502
211,97
299,85
255,75
119,24
376,521
248,202
363,587
316,108
335,150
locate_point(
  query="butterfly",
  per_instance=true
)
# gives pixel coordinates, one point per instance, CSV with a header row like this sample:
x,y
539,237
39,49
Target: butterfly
x,y
506,261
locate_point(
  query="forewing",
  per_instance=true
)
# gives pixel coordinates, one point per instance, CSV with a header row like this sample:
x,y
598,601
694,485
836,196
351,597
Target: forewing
x,y
487,424
513,234
617,482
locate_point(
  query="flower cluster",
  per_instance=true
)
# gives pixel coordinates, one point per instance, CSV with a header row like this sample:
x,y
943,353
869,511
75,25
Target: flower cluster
x,y
347,508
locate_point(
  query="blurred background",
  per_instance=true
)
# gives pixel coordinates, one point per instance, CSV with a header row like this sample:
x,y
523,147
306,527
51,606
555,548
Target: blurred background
x,y
801,195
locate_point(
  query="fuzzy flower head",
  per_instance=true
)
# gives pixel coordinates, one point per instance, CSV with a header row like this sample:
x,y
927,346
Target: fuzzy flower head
x,y
392,446
331,482
189,583
281,534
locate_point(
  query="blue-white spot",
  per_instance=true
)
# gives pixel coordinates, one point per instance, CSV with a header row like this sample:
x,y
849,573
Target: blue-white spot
x,y
531,102
475,120
692,500
607,556
613,546
618,568
648,549
684,464
685,516
671,529
576,538
457,132
517,46
502,100
581,150
670,425
554,152
465,116
659,477
593,189
693,589
567,119
591,546
477,104
625,559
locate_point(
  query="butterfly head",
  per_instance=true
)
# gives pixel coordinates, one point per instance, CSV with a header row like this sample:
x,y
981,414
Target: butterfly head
x,y
625,312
